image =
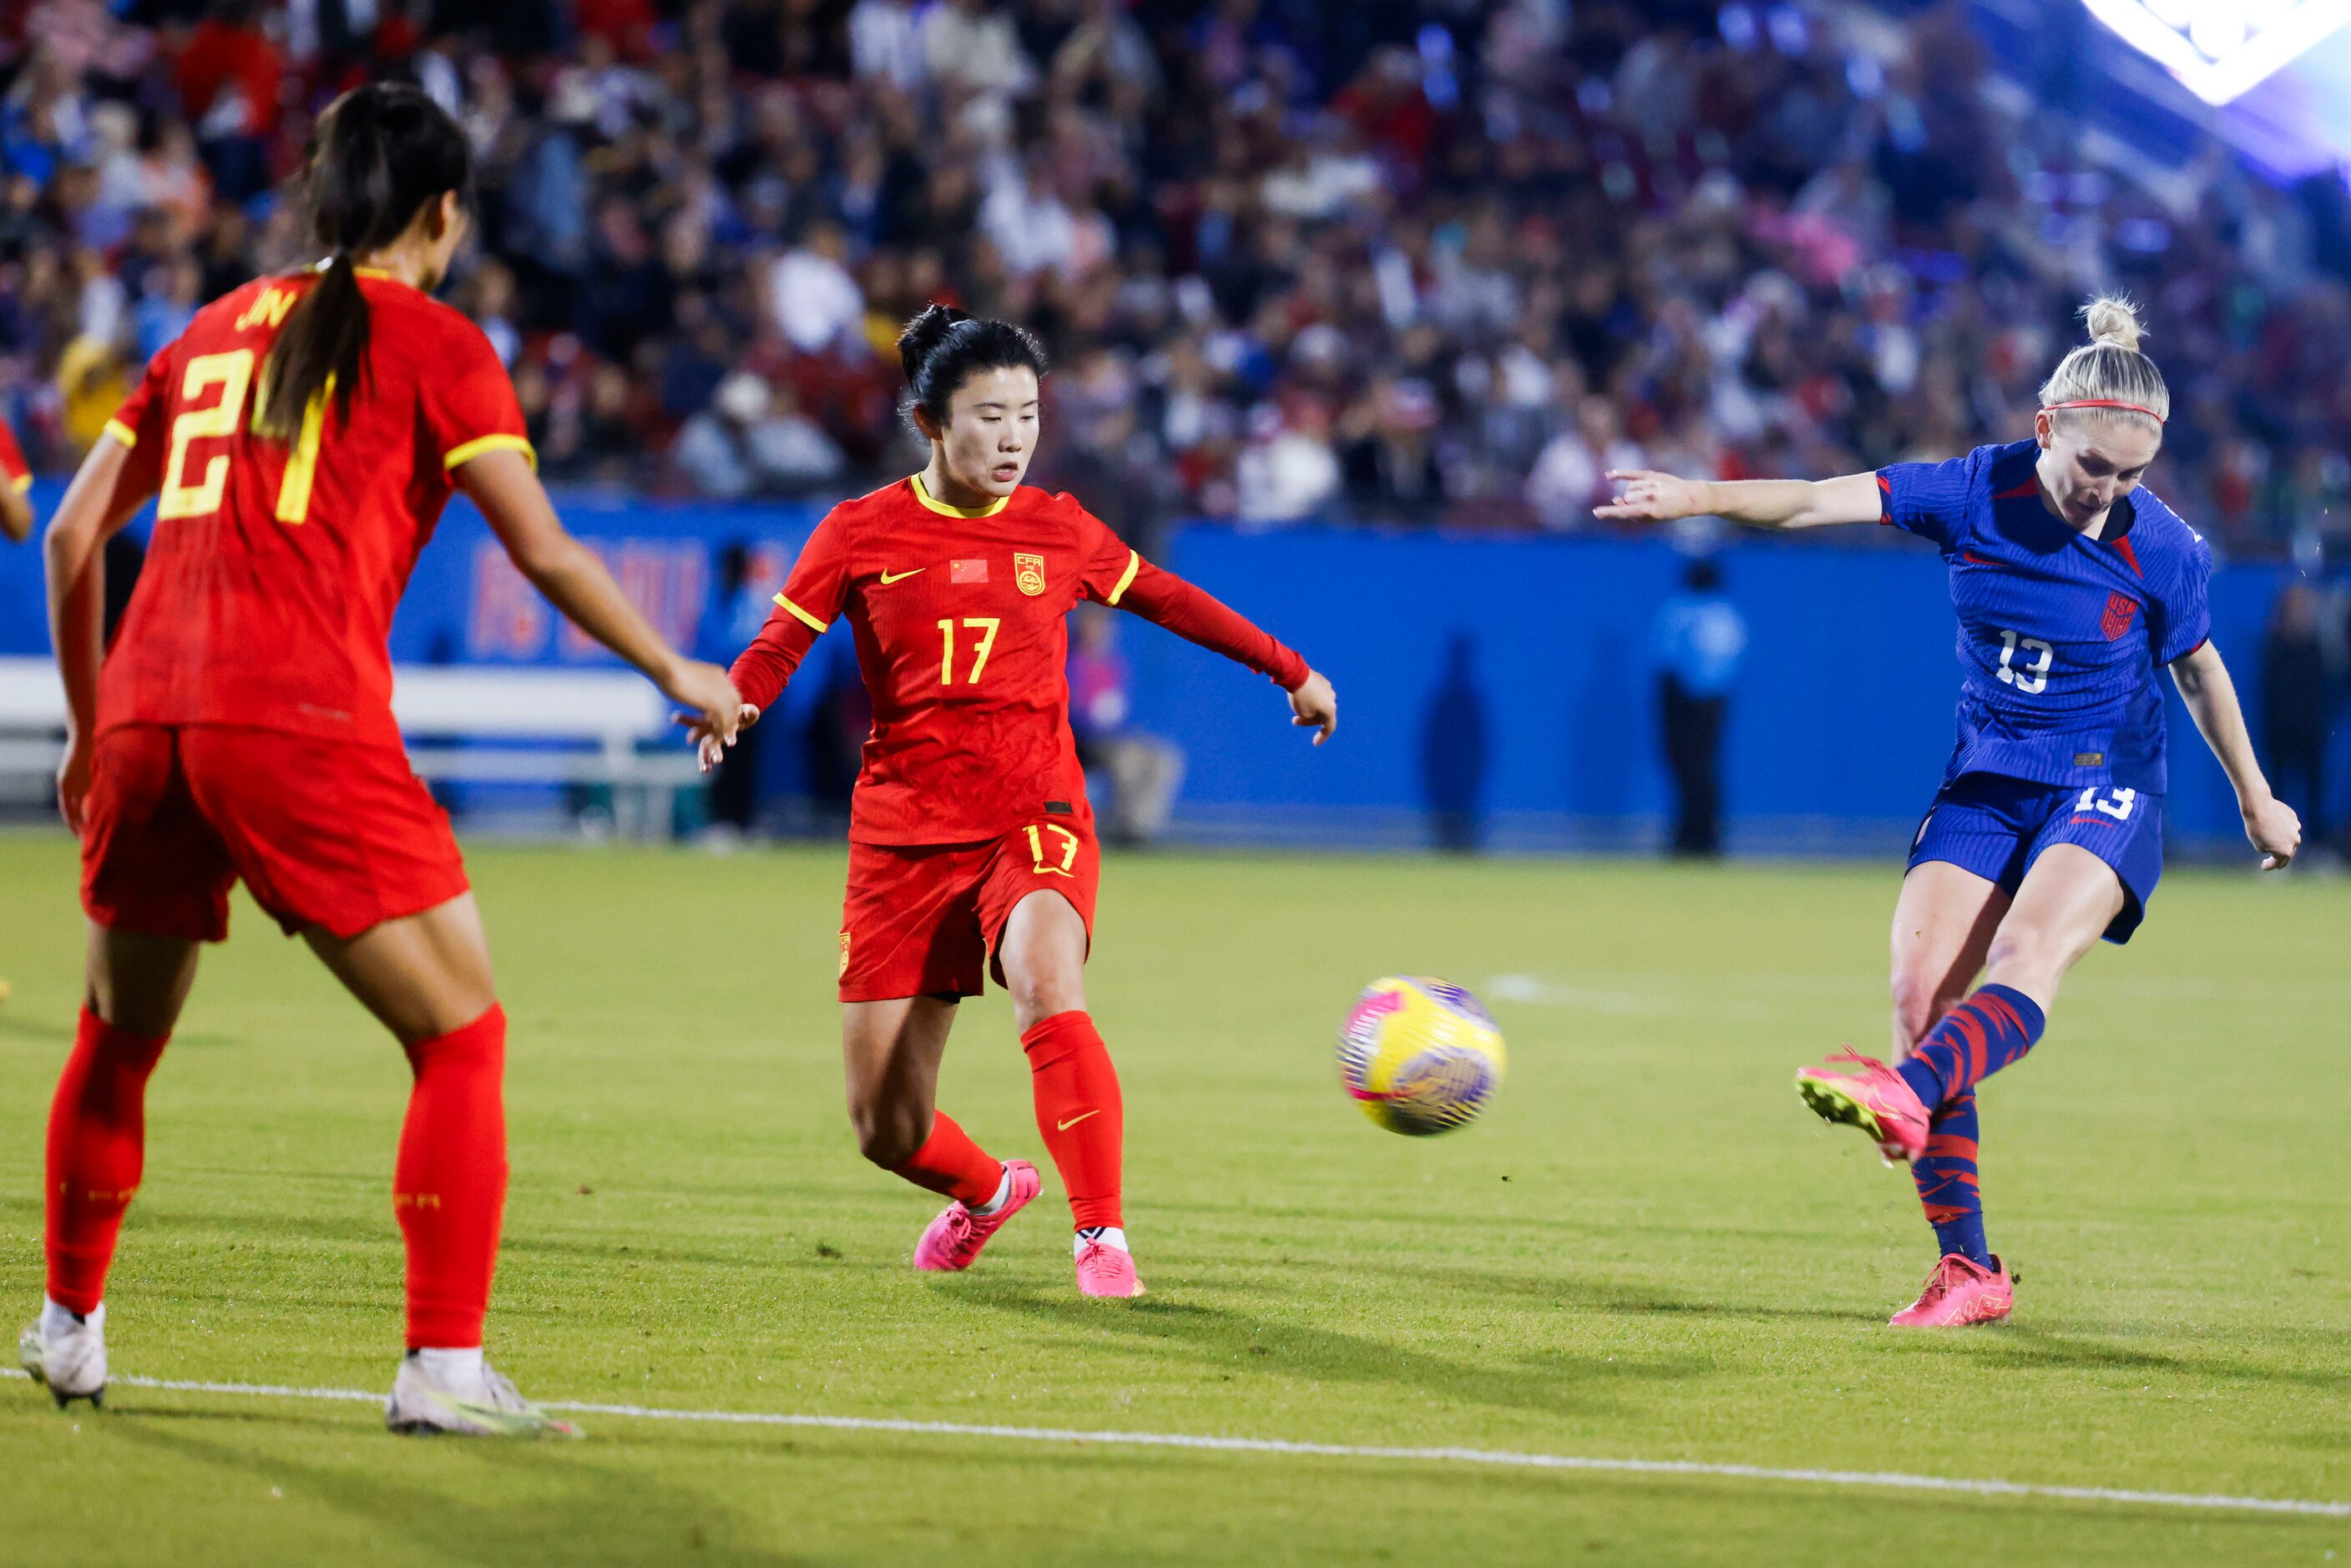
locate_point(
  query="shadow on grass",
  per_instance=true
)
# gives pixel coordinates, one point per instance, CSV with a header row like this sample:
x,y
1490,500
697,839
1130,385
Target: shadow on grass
x,y
1629,1301
531,1502
2013,1343
1546,1379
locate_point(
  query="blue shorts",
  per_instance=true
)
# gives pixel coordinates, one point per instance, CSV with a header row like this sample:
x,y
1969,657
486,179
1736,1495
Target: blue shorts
x,y
1997,827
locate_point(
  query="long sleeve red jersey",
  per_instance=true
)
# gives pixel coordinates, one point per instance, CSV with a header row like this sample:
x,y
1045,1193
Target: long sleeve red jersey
x,y
961,620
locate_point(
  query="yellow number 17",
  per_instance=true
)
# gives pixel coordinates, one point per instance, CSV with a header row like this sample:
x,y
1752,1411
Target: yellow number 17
x,y
986,626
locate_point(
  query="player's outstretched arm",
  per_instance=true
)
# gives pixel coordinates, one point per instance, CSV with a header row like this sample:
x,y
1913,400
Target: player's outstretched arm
x,y
1198,616
107,491
1645,496
2211,699
502,484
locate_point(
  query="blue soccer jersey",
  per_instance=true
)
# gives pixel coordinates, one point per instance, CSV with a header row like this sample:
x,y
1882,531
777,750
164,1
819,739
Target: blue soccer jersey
x,y
2060,634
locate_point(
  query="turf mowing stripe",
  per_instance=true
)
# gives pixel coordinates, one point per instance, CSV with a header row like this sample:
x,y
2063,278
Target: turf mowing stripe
x,y
1893,1480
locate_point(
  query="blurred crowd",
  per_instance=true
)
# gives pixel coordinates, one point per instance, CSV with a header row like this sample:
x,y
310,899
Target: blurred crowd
x,y
1428,263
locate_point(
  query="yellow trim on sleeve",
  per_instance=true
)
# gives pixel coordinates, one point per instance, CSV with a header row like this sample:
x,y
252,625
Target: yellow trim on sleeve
x,y
1126,578
812,623
924,497
457,455
22,483
122,433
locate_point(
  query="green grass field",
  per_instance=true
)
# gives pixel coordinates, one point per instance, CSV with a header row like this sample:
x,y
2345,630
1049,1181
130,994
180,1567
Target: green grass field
x,y
1647,1249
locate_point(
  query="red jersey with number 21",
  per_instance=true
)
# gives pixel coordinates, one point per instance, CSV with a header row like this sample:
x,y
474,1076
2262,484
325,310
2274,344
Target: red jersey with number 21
x,y
961,618
270,582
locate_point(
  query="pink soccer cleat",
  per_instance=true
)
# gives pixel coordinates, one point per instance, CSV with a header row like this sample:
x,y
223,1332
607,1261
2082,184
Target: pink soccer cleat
x,y
1875,1099
953,1240
1960,1292
1106,1270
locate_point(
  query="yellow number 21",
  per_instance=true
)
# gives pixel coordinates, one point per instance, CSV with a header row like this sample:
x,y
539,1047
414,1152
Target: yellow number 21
x,y
232,373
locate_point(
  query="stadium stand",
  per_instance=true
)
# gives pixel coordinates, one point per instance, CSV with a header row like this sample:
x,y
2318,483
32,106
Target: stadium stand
x,y
1384,262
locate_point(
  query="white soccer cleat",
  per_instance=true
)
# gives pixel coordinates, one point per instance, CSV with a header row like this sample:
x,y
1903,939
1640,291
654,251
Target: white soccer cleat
x,y
67,1354
486,1406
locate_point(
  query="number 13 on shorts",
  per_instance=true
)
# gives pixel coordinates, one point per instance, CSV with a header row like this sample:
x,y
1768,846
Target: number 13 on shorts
x,y
1054,847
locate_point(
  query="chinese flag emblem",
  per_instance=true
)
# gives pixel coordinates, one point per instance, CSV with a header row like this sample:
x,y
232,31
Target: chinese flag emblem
x,y
1028,571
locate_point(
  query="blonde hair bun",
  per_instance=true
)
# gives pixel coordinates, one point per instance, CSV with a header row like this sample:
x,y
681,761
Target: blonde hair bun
x,y
2112,319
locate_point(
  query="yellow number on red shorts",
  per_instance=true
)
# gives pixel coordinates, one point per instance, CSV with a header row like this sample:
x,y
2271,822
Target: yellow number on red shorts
x,y
1037,849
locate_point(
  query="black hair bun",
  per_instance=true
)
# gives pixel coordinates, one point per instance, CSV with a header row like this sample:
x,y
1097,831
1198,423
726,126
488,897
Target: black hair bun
x,y
923,334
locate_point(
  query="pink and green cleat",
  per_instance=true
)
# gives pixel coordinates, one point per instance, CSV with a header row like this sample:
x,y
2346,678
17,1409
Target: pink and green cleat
x,y
1960,1292
1108,1271
953,1240
1875,1099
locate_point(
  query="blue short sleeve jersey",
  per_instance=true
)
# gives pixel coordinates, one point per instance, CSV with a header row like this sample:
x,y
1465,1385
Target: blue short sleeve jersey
x,y
2060,635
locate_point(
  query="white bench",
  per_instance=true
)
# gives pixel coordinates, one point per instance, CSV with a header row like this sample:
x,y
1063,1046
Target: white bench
x,y
554,714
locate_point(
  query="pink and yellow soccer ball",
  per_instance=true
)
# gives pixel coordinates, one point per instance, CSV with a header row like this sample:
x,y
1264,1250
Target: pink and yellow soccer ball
x,y
1420,1056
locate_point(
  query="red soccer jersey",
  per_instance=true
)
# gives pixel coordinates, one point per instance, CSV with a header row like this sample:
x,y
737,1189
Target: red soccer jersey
x,y
961,631
267,594
15,471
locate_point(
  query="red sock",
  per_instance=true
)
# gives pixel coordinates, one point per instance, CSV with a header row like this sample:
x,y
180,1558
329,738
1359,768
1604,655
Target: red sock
x,y
98,1142
951,1163
449,1187
1079,1113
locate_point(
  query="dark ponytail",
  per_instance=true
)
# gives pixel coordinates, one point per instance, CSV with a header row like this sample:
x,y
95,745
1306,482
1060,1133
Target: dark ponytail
x,y
379,155
943,347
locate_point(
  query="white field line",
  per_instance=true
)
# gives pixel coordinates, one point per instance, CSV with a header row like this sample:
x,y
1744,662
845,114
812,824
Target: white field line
x,y
1890,1479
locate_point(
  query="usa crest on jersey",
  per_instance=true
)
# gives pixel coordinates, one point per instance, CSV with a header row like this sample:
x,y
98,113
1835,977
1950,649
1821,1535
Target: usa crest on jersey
x,y
1028,571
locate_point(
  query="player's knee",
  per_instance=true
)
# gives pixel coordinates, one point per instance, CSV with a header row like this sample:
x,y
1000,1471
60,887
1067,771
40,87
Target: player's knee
x,y
1919,1001
888,1135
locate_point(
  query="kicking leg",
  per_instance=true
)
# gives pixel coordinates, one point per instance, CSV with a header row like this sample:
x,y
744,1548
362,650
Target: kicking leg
x,y
1079,1111
891,1049
426,977
96,1148
1943,929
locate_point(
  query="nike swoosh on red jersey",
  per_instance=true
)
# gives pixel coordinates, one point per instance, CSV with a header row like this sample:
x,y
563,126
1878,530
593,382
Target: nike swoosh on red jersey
x,y
890,576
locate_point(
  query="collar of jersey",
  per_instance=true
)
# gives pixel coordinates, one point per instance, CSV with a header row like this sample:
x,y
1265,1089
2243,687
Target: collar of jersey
x,y
925,498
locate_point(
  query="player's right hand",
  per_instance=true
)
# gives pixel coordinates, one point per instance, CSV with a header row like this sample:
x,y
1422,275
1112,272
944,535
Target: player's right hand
x,y
2276,831
73,782
709,745
1646,495
709,696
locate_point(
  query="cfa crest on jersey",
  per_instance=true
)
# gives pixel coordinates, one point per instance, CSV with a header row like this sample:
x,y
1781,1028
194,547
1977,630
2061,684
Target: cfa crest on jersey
x,y
1028,571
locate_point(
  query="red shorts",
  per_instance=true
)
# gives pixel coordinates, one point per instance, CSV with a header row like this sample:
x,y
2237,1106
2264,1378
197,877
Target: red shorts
x,y
324,834
924,919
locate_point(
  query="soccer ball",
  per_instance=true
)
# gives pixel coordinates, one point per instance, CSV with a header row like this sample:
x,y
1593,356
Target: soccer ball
x,y
1420,1056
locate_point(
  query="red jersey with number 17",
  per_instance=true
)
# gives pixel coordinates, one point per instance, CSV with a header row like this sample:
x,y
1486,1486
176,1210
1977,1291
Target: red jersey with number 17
x,y
962,625
270,582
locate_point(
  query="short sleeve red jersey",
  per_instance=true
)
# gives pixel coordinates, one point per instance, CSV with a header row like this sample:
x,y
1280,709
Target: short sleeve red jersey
x,y
268,589
961,620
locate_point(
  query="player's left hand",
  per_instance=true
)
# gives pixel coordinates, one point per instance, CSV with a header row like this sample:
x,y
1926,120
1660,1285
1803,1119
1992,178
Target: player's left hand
x,y
73,781
2276,831
1316,707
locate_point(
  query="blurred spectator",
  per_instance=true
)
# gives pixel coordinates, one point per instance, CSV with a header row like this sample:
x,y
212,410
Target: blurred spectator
x,y
739,607
1456,748
2294,703
1570,476
1696,646
1288,472
1143,772
753,440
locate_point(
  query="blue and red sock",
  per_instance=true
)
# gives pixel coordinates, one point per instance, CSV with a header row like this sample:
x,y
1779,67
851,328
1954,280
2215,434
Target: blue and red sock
x,y
1975,1040
1946,1177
